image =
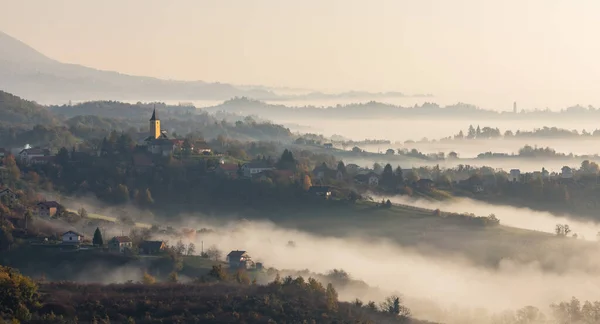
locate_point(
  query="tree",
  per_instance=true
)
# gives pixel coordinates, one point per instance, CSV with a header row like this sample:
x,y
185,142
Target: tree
x,y
306,183
191,249
332,298
214,253
186,148
62,157
82,213
13,172
471,133
97,240
341,167
179,248
173,277
287,161
377,168
17,292
121,195
218,273
147,279
393,305
387,177
6,238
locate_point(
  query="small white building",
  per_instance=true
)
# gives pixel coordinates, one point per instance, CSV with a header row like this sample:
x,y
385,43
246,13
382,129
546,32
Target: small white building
x,y
27,154
252,168
72,237
514,175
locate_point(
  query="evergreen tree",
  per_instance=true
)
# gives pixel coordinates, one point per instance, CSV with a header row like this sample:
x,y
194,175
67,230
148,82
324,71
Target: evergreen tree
x,y
471,132
387,176
342,167
399,176
98,241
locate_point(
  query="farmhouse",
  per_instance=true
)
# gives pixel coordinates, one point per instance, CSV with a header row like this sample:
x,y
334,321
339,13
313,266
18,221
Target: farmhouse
x,y
47,208
152,247
120,244
252,168
239,260
72,237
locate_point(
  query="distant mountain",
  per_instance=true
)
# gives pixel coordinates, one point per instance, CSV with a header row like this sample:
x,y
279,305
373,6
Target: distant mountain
x,y
373,109
28,73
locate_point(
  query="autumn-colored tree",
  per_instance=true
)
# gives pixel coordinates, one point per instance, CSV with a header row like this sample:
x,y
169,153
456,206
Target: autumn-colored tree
x,y
147,279
173,277
13,170
17,293
306,183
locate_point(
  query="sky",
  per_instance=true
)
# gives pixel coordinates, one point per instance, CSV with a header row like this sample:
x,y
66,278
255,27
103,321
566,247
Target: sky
x,y
542,53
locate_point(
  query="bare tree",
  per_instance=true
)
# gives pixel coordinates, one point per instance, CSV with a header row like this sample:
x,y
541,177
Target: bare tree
x,y
191,249
214,253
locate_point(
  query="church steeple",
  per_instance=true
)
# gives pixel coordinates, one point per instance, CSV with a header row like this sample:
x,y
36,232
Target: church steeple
x,y
154,125
154,115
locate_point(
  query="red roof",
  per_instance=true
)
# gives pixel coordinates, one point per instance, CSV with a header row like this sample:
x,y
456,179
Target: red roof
x,y
228,167
122,239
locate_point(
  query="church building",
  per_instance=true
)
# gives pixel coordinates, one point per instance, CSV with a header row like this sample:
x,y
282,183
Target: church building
x,y
158,142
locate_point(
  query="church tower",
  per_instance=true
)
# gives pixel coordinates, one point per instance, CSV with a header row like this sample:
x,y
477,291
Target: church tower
x,y
154,125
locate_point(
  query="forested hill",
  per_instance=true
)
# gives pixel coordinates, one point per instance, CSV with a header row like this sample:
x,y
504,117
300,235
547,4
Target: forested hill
x,y
26,122
19,112
375,109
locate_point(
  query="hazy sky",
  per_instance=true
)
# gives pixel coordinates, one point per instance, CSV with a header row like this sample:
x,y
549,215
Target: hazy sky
x,y
542,52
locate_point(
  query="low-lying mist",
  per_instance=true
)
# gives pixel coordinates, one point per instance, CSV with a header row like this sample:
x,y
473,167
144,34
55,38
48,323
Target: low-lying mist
x,y
524,218
391,268
432,283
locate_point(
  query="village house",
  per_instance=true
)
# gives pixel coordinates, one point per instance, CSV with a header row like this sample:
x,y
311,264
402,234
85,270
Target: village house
x,y
9,194
201,147
371,179
328,145
514,175
239,260
72,237
47,208
320,191
152,247
120,244
252,168
227,170
26,155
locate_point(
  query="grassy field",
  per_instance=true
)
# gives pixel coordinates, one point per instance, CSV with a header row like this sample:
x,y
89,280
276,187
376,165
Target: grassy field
x,y
110,219
422,230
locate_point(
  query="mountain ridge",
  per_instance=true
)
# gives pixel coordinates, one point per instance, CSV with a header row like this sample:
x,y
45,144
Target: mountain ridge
x,y
29,73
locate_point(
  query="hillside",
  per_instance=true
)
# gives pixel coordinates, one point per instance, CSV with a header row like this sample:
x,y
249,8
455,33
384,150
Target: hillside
x,y
15,111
